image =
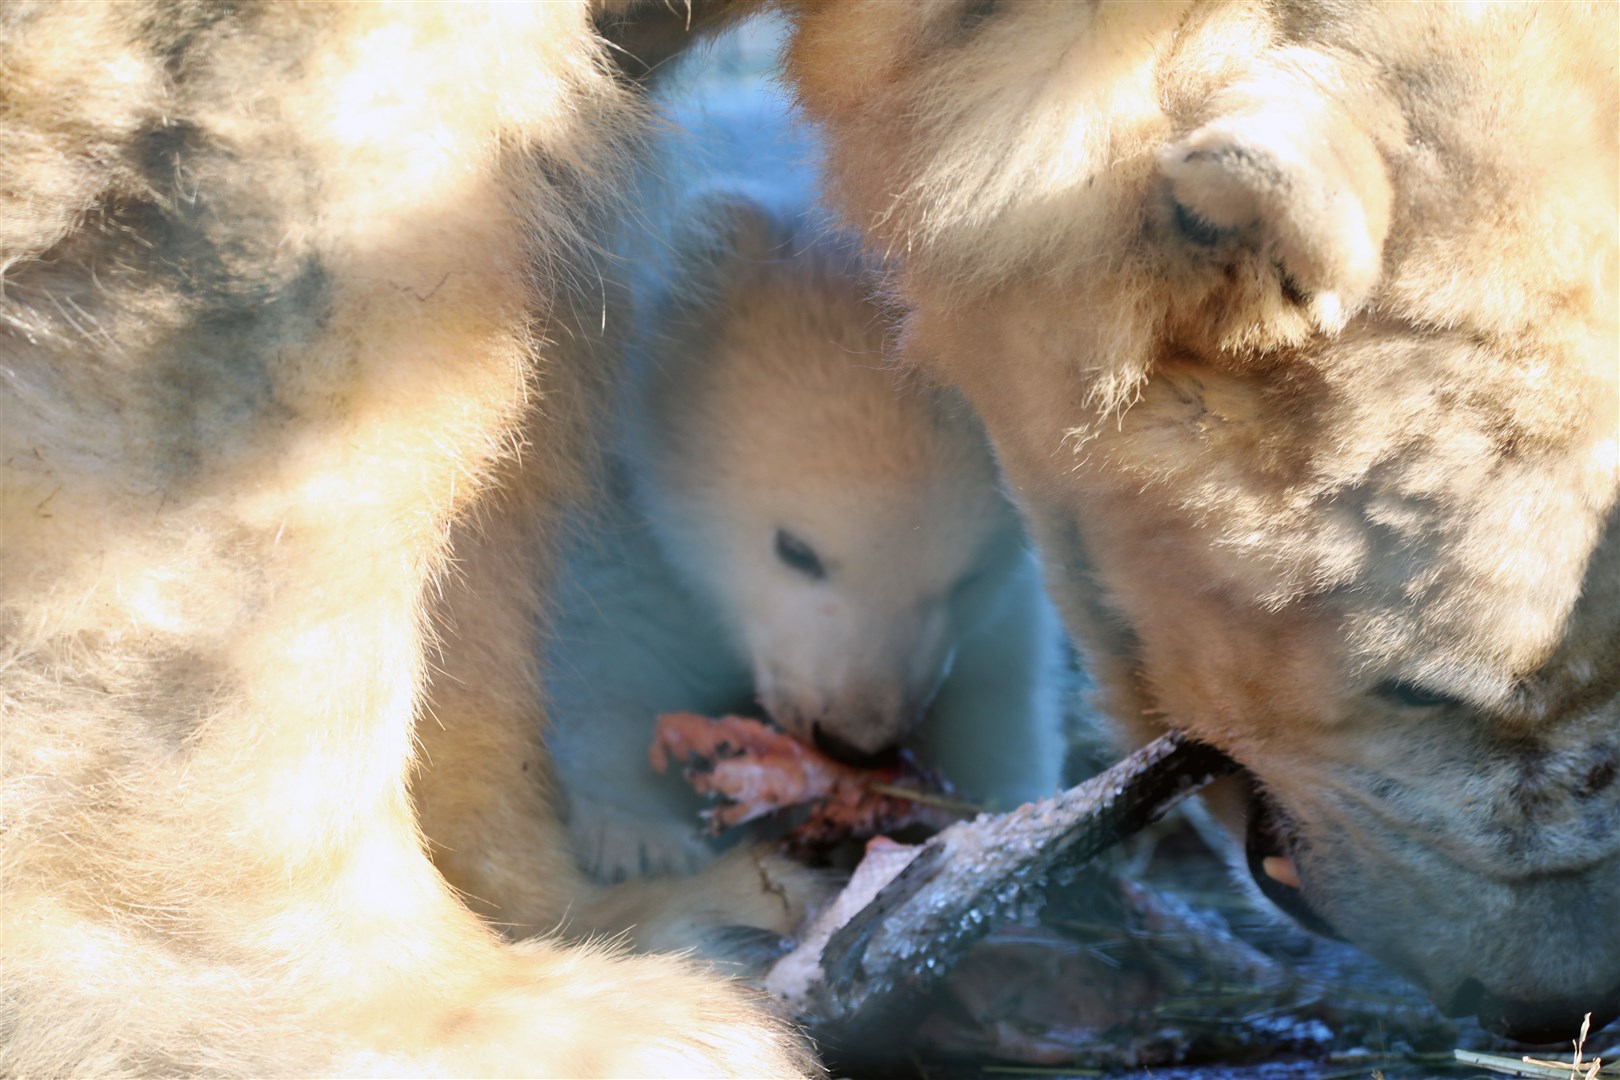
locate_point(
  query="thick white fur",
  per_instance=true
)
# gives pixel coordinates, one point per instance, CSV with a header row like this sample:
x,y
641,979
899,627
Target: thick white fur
x,y
760,401
1294,327
287,290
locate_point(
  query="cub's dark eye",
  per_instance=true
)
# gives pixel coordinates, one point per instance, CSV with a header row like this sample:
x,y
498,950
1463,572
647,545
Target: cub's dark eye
x,y
799,555
1412,696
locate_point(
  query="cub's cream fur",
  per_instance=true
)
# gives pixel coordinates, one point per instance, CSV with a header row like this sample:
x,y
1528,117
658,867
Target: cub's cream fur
x,y
762,415
301,326
1294,328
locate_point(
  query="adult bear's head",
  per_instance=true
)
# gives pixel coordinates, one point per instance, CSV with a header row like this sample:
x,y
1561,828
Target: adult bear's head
x,y
1295,330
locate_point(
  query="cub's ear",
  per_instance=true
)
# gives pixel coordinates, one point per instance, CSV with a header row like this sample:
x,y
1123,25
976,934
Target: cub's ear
x,y
723,232
1288,175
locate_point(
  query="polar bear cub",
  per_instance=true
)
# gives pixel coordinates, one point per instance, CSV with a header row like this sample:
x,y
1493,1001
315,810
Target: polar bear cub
x,y
790,523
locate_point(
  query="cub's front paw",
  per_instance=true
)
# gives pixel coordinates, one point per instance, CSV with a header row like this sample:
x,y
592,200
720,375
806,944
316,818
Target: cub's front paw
x,y
614,846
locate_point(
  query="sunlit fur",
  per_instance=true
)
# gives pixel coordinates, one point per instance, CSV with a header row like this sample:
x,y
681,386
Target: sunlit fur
x,y
286,290
1294,328
760,403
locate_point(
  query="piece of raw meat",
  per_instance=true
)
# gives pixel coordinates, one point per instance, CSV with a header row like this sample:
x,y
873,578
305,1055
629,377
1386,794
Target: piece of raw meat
x,y
757,770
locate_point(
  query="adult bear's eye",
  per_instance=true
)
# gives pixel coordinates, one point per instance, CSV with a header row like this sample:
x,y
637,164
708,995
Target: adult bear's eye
x,y
974,14
1196,230
799,555
1413,696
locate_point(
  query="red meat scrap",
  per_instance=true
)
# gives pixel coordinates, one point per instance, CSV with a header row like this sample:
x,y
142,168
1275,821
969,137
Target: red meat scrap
x,y
756,770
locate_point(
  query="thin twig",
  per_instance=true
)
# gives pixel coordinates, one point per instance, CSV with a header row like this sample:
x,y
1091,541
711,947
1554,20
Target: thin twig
x,y
913,795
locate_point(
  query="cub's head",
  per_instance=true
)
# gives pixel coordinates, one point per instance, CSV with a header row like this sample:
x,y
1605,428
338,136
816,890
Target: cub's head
x,y
1295,328
845,521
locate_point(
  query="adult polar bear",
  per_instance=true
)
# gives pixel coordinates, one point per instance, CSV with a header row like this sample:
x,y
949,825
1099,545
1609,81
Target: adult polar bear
x,y
285,289
1294,326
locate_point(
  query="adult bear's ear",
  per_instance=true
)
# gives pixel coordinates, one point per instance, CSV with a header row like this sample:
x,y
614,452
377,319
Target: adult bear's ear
x,y
1289,178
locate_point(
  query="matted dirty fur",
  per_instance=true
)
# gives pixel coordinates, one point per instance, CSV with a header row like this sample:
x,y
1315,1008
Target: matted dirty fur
x,y
288,291
1294,327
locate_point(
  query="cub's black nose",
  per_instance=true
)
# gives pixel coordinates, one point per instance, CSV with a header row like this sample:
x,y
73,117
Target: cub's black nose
x,y
850,754
1543,1020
